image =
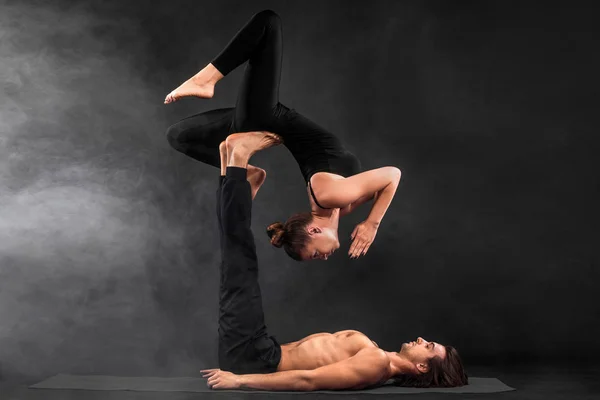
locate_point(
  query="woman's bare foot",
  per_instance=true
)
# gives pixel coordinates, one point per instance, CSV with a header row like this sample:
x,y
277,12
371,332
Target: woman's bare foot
x,y
200,85
191,87
249,143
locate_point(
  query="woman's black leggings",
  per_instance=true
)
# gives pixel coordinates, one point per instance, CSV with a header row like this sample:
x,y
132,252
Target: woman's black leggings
x,y
259,42
257,108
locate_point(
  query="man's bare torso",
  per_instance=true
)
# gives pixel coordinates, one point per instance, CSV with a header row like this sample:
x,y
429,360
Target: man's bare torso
x,y
321,349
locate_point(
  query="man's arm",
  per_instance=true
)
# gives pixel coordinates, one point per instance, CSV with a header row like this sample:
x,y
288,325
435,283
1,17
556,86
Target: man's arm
x,y
368,367
296,380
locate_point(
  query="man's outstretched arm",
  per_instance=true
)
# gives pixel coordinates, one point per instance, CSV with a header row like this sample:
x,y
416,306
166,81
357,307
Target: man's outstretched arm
x,y
285,380
297,380
368,367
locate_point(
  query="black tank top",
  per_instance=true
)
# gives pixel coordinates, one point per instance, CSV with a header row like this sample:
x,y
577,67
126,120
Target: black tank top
x,y
315,198
314,148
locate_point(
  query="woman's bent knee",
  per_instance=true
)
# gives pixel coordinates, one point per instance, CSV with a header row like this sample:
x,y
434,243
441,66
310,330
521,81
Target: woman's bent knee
x,y
269,16
173,133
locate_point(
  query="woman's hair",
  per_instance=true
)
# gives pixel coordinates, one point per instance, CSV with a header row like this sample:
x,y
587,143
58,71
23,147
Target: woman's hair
x,y
446,372
292,236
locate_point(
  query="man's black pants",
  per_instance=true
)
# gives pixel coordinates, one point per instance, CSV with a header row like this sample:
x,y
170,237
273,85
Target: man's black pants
x,y
244,345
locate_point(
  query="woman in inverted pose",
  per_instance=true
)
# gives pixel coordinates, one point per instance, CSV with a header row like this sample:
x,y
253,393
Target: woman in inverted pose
x,y
335,183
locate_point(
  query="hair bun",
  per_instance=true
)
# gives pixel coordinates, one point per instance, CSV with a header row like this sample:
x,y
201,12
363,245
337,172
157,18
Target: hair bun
x,y
276,232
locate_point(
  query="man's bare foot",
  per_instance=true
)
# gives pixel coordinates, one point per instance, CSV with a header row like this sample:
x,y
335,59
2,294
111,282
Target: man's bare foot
x,y
249,143
200,85
256,176
223,155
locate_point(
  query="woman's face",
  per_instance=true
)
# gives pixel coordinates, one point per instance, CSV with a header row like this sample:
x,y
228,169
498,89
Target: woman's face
x,y
323,243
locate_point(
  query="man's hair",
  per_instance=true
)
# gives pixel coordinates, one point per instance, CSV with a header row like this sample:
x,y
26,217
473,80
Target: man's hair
x,y
293,236
446,372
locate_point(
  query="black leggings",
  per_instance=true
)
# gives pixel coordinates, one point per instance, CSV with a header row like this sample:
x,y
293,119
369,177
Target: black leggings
x,y
244,345
257,107
260,42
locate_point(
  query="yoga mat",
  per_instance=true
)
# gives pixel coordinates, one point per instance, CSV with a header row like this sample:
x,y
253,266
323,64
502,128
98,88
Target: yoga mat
x,y
189,384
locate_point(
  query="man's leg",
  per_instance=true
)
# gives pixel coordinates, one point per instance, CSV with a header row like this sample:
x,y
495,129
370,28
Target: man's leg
x,y
244,345
223,158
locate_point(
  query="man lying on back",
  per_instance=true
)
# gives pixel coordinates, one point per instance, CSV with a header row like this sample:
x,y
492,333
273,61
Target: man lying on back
x,y
251,359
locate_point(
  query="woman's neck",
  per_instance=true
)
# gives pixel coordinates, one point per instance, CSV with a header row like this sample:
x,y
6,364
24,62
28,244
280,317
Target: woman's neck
x,y
329,218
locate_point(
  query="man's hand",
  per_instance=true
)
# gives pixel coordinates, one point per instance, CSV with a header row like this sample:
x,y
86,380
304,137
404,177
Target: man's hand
x,y
362,237
218,379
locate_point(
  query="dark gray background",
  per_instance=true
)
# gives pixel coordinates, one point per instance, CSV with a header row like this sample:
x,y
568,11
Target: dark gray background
x,y
108,252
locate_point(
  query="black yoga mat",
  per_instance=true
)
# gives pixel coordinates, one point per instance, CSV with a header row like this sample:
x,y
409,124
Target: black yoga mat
x,y
189,384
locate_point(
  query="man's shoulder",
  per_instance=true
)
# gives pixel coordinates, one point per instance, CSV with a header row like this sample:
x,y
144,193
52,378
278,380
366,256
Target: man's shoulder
x,y
374,354
367,367
373,364
369,362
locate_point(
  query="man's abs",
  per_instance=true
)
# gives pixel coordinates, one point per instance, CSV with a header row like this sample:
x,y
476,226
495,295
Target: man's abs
x,y
321,349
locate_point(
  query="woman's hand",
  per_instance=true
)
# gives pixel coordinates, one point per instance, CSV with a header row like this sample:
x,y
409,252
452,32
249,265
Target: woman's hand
x,y
218,379
362,237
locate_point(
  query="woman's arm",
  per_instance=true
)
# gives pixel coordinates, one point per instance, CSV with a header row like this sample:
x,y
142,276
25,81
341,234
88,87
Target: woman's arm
x,y
364,233
352,207
364,186
383,200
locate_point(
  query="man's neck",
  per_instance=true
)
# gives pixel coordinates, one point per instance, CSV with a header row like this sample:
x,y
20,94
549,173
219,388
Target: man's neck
x,y
399,364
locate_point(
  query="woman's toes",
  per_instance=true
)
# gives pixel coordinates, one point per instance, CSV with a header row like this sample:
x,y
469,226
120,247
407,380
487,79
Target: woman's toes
x,y
170,98
275,138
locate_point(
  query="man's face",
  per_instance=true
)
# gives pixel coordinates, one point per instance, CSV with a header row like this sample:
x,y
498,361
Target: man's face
x,y
420,350
322,244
